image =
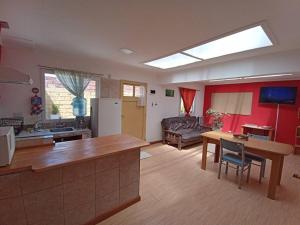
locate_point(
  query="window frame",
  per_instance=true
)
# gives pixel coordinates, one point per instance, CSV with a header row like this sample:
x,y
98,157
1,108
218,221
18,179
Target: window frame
x,y
44,119
192,110
134,85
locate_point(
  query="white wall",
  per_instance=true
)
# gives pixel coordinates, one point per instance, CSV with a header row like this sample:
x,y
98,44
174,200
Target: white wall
x,y
15,99
281,62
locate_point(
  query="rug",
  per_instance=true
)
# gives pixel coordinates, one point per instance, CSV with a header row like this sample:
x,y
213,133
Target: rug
x,y
145,155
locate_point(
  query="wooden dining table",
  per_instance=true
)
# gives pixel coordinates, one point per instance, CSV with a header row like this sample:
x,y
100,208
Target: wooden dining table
x,y
271,150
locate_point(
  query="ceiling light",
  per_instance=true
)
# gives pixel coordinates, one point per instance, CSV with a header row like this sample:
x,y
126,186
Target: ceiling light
x,y
126,51
273,75
171,61
226,79
252,38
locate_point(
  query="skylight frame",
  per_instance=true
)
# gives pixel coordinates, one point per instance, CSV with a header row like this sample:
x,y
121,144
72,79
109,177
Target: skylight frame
x,y
168,65
262,27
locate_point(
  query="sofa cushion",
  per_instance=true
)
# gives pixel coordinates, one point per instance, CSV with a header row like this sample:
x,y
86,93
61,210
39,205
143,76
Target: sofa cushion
x,y
172,122
191,136
177,126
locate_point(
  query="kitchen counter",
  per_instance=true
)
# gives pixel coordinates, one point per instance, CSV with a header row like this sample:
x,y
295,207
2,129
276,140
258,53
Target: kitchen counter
x,y
27,139
72,183
47,132
42,158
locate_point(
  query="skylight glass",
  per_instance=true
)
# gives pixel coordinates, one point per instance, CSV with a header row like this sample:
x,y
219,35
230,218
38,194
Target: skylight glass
x,y
242,41
171,61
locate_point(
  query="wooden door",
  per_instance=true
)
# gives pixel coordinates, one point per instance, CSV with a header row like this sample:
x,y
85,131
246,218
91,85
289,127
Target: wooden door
x,y
133,109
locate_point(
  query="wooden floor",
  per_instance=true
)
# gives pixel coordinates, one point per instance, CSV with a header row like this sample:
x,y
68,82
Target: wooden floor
x,y
175,191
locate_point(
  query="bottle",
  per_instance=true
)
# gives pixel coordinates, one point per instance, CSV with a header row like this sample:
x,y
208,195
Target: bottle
x,y
79,106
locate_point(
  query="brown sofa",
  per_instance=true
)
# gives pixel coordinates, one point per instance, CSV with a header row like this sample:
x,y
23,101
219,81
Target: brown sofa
x,y
182,131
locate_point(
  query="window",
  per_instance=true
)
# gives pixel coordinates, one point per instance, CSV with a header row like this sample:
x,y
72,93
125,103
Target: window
x,y
182,111
172,61
252,38
244,40
137,91
130,90
58,99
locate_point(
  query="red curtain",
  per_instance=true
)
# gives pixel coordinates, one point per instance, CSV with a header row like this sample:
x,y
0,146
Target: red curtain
x,y
188,96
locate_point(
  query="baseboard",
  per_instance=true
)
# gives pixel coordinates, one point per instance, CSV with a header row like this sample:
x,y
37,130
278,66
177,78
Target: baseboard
x,y
104,216
155,142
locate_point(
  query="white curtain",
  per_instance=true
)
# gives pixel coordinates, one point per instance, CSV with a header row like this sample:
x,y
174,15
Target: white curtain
x,y
74,82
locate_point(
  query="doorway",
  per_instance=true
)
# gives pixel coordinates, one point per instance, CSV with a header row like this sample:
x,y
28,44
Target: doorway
x,y
134,108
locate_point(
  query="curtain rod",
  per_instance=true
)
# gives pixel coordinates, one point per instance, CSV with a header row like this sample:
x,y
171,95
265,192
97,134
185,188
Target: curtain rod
x,y
190,88
77,71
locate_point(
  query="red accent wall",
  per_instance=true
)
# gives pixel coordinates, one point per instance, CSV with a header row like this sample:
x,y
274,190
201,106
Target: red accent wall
x,y
262,114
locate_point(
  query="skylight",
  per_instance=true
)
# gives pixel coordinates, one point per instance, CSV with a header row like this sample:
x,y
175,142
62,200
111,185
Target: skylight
x,y
252,38
171,61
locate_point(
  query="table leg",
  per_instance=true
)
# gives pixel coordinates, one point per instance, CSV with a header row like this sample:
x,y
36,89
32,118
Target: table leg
x,y
280,170
274,177
217,153
204,153
242,130
270,134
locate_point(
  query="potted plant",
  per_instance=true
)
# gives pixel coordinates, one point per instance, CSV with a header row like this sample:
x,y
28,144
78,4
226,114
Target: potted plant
x,y
54,112
217,118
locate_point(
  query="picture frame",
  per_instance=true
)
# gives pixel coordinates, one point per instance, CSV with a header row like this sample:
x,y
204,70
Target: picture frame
x,y
170,93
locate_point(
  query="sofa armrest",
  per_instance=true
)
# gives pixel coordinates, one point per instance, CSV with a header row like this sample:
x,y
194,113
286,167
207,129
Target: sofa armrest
x,y
172,132
204,128
170,135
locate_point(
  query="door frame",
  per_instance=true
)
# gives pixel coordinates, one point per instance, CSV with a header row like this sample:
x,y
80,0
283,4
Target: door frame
x,y
135,83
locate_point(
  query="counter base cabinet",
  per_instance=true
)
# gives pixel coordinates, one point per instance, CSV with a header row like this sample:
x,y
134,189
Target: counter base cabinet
x,y
79,194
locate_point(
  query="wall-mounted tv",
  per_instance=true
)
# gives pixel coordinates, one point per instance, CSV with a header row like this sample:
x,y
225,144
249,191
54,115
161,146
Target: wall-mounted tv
x,y
278,95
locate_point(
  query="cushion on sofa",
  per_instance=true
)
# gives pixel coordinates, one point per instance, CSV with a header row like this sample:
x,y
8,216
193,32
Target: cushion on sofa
x,y
191,136
172,122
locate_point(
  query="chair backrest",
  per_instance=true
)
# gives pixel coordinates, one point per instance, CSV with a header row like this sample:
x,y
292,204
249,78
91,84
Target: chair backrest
x,y
232,146
259,137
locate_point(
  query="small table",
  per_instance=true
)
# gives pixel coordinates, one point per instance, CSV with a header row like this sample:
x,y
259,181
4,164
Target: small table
x,y
254,129
269,149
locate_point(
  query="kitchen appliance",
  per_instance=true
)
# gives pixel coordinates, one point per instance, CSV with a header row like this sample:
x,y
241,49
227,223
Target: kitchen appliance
x,y
7,145
105,116
13,76
16,122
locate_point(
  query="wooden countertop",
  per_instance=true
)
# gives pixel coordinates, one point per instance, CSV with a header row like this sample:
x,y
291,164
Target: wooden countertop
x,y
41,158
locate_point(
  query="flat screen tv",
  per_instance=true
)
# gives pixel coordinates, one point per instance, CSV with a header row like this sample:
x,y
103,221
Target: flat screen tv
x,y
278,95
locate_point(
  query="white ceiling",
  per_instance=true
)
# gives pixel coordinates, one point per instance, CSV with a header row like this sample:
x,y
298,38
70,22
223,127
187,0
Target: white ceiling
x,y
151,28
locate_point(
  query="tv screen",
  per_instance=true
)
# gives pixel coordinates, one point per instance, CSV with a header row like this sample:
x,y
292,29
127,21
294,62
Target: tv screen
x,y
278,95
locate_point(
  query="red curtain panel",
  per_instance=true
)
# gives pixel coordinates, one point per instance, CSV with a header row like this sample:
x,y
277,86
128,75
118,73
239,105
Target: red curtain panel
x,y
187,96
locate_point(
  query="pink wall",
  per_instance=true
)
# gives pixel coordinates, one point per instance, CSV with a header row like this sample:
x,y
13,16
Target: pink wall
x,y
262,114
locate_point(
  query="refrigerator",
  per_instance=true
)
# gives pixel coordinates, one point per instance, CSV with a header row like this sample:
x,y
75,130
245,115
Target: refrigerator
x,y
105,116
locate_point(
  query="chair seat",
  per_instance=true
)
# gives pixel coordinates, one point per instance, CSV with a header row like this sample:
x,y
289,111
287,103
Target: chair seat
x,y
235,159
255,157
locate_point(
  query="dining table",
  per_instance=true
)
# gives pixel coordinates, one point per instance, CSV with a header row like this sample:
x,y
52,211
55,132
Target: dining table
x,y
274,151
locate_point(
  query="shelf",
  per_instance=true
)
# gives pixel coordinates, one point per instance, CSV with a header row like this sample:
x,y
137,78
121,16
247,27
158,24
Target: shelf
x,y
297,146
